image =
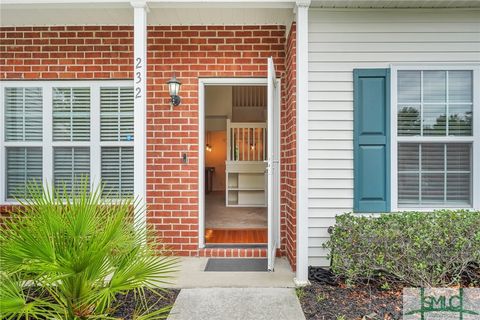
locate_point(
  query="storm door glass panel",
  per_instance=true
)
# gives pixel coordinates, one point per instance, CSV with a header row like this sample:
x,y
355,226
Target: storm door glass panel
x,y
71,114
23,114
23,167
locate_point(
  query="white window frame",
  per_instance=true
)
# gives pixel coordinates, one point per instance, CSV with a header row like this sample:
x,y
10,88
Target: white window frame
x,y
474,139
47,143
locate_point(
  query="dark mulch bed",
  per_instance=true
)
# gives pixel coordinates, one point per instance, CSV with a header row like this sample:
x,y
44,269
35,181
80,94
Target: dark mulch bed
x,y
128,305
327,299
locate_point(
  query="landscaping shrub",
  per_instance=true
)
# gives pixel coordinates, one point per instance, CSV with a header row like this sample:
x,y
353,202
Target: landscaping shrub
x,y
68,257
440,248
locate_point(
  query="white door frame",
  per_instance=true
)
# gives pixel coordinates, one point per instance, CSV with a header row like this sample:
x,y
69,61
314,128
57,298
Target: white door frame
x,y
202,83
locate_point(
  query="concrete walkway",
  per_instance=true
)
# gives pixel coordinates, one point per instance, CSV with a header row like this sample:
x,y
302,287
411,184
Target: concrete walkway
x,y
237,303
192,275
234,295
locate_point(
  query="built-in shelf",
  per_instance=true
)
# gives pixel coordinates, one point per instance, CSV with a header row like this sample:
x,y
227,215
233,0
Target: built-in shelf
x,y
246,184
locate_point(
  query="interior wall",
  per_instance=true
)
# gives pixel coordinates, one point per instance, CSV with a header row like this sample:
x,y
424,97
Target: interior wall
x,y
217,157
218,107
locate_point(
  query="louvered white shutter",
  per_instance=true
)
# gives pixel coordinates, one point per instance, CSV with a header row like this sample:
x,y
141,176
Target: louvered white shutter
x,y
71,165
117,171
71,114
23,114
116,113
24,165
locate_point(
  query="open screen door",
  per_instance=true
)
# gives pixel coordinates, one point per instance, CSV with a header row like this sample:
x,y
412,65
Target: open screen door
x,y
273,177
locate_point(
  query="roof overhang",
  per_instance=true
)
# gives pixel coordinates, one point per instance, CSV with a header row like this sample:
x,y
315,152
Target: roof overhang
x,y
393,4
187,12
120,12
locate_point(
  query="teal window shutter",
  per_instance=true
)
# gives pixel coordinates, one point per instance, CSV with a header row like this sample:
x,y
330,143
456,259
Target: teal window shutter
x,y
371,140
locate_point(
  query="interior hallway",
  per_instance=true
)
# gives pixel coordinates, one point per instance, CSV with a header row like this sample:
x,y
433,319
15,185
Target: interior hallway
x,y
238,225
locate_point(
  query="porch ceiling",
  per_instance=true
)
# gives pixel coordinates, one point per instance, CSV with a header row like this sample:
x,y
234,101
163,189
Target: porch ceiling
x,y
122,14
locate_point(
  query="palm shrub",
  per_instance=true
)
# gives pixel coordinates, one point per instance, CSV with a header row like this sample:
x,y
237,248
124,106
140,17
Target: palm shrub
x,y
69,257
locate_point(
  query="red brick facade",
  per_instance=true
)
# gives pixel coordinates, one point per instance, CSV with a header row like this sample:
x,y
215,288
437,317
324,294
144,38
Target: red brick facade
x,y
289,140
106,52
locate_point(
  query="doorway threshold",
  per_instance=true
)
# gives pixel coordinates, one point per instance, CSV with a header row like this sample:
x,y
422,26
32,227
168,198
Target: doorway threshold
x,y
236,245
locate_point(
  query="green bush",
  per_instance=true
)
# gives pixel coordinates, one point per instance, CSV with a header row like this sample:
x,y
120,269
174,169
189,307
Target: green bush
x,y
70,258
415,248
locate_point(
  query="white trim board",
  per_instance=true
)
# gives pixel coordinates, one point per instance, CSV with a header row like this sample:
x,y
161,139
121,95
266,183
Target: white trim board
x,y
474,139
302,166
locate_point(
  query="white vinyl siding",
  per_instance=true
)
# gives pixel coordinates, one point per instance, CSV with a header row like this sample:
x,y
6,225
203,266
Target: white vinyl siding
x,y
52,134
341,40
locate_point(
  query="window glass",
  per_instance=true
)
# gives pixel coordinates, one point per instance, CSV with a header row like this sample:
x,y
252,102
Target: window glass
x,y
24,166
116,114
434,174
435,103
71,165
23,114
71,123
117,171
71,114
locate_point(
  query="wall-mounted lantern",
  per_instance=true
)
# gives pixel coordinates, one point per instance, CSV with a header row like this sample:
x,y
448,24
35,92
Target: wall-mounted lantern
x,y
174,89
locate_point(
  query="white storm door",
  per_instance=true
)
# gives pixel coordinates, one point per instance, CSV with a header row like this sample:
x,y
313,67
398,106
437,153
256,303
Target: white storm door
x,y
273,177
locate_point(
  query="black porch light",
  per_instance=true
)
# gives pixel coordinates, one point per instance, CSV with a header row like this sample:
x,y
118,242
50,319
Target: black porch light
x,y
173,89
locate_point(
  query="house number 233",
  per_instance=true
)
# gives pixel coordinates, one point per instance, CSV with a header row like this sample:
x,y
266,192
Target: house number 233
x,y
138,78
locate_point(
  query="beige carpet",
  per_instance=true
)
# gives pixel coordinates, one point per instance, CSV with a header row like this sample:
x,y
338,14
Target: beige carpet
x,y
218,216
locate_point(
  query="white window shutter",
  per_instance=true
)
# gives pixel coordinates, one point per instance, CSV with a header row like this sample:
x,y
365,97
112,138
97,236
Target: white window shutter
x,y
116,107
71,165
71,114
23,114
24,165
117,171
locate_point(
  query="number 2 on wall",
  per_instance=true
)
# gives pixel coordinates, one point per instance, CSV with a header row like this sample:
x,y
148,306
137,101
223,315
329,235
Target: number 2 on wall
x,y
138,78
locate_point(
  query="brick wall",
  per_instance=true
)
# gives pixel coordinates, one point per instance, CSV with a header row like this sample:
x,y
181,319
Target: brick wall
x,y
193,52
74,52
289,139
106,52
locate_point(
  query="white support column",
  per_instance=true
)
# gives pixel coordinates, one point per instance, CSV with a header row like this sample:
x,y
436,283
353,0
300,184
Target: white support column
x,y
140,110
301,277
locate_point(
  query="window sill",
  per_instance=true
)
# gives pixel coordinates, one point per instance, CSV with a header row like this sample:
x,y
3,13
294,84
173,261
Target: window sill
x,y
9,203
431,209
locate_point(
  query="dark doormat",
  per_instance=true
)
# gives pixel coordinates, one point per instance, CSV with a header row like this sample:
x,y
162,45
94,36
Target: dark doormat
x,y
237,265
